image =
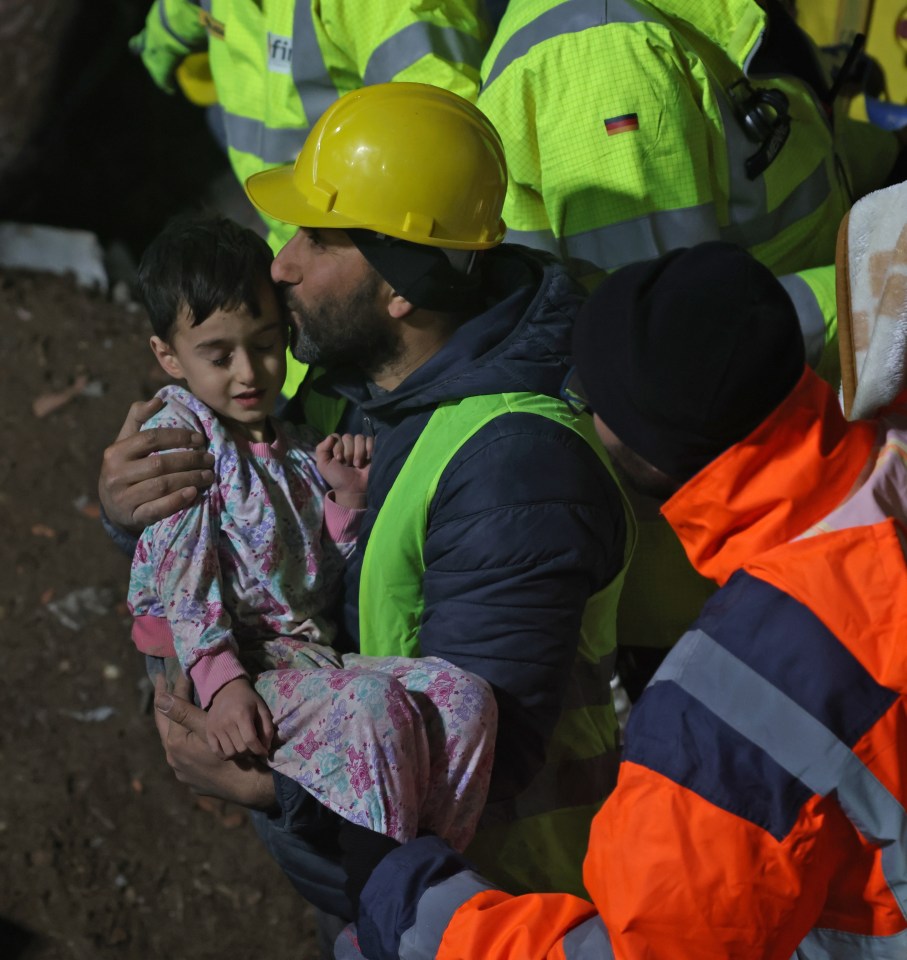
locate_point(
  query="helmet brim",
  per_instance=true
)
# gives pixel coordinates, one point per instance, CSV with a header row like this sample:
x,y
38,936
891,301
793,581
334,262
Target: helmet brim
x,y
276,194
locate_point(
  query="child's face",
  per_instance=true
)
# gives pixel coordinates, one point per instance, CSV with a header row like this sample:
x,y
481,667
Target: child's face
x,y
232,361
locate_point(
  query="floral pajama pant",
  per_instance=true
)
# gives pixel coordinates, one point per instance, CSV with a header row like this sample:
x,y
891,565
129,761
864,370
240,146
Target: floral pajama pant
x,y
396,744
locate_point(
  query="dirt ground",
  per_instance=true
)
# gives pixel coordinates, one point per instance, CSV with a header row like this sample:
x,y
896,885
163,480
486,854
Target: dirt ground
x,y
103,854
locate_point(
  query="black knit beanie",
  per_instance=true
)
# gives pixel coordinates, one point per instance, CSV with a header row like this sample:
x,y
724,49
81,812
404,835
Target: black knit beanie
x,y
423,275
685,355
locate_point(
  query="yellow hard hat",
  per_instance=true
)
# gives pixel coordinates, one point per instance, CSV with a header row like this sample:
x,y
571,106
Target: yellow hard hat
x,y
194,78
408,160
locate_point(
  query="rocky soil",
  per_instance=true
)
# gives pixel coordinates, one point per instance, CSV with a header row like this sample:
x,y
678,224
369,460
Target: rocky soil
x,y
103,855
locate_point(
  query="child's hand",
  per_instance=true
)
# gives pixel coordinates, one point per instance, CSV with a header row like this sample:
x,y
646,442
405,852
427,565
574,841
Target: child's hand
x,y
239,722
344,463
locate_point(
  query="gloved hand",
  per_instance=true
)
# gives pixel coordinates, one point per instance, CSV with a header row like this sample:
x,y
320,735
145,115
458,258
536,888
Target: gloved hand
x,y
162,47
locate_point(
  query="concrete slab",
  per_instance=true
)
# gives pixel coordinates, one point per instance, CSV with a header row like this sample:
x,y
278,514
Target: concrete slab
x,y
54,250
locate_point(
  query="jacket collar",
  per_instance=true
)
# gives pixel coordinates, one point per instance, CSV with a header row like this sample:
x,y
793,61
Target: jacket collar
x,y
789,473
737,26
520,343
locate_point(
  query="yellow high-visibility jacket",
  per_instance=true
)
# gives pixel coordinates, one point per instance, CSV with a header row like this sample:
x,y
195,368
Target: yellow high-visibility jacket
x,y
277,65
623,141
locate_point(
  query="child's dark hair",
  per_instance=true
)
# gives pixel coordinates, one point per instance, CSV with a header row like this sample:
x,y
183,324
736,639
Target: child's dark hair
x,y
206,262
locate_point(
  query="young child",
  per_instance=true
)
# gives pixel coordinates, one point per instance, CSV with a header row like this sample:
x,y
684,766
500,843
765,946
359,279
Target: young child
x,y
238,586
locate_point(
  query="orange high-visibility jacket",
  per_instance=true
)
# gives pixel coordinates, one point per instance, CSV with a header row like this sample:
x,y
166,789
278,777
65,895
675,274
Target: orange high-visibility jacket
x,y
759,811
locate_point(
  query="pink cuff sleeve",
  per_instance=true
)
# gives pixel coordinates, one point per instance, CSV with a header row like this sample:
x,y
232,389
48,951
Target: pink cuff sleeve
x,y
341,523
210,673
152,635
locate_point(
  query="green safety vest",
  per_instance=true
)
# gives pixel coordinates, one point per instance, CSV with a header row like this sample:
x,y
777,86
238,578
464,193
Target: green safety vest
x,y
321,412
644,151
538,840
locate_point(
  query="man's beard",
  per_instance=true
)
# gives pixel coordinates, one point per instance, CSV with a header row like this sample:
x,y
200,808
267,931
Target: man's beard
x,y
344,331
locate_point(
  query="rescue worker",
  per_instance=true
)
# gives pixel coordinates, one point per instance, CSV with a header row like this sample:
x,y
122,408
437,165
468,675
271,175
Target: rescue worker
x,y
759,811
495,535
638,126
277,66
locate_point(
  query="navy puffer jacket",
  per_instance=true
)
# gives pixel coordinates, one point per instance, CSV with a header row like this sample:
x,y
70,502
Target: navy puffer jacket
x,y
526,523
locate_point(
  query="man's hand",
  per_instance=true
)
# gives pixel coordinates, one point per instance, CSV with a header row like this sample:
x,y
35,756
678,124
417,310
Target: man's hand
x,y
239,722
137,489
182,729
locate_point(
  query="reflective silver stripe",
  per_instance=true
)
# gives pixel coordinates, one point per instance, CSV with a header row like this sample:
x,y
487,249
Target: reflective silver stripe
x,y
837,945
273,145
310,75
749,220
643,237
804,199
165,23
812,322
795,740
746,198
315,89
573,16
537,239
649,236
418,40
434,912
588,941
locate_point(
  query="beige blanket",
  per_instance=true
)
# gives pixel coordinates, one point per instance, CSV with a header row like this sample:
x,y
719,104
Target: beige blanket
x,y
871,275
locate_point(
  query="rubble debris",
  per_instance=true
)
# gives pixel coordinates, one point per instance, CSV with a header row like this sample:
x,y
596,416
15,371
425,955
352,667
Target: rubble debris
x,y
95,715
58,250
76,608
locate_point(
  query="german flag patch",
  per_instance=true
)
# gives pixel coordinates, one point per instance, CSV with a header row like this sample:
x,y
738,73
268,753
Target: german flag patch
x,y
621,124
